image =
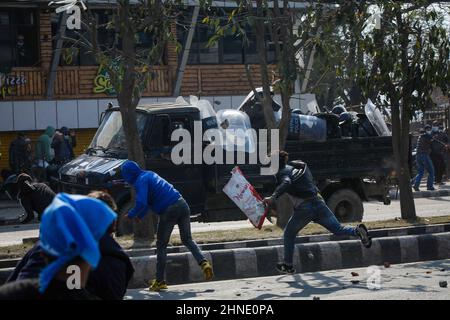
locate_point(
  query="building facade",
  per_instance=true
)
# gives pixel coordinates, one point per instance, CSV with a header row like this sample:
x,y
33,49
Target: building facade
x,y
35,92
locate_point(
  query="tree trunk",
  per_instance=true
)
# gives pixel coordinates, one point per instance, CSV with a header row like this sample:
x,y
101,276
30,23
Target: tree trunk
x,y
128,98
259,29
407,205
401,150
285,119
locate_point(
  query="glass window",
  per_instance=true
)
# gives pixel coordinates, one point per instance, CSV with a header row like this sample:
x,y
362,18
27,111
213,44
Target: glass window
x,y
207,55
111,135
18,38
232,49
251,54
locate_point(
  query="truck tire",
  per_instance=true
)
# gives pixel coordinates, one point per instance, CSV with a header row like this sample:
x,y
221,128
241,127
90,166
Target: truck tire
x,y
346,205
124,225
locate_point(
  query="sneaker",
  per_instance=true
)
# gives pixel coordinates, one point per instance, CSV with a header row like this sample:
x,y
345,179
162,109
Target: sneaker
x,y
431,189
207,270
363,234
284,268
157,286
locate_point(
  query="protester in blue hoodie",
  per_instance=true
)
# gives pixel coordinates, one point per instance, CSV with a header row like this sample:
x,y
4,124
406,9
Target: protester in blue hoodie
x,y
70,231
108,282
156,194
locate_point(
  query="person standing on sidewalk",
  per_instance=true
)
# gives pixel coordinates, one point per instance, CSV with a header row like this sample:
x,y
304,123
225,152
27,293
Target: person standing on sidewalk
x,y
156,194
44,153
438,149
309,206
423,159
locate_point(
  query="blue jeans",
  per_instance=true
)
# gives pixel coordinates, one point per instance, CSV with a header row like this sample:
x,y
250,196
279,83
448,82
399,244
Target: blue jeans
x,y
318,212
424,163
177,214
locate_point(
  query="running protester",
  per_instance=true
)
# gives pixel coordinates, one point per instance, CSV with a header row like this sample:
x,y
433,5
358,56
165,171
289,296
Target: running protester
x,y
156,194
309,206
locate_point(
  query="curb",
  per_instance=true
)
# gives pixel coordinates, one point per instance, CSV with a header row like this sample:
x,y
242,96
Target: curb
x,y
375,233
310,257
422,194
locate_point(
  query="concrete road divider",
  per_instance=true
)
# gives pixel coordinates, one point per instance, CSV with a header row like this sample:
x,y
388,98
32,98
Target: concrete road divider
x,y
377,233
308,257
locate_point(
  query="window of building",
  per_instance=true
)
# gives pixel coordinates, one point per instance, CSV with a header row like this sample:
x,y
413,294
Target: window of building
x,y
18,38
230,49
76,54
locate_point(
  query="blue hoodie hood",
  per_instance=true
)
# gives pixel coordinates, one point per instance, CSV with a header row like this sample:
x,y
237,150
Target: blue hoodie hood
x,y
72,226
131,171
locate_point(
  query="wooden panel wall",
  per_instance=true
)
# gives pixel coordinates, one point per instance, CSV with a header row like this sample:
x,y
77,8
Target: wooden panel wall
x,y
77,82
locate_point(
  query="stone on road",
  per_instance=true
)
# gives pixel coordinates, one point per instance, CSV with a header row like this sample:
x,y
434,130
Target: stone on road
x,y
400,282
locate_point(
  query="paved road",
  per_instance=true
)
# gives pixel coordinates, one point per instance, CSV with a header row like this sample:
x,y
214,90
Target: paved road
x,y
374,211
400,282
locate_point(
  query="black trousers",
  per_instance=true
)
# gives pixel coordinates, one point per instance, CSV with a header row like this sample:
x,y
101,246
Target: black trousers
x,y
439,166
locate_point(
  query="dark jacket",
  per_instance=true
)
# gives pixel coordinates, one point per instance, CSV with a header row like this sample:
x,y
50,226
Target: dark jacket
x,y
424,143
109,281
437,145
19,156
29,290
29,266
61,147
296,181
35,197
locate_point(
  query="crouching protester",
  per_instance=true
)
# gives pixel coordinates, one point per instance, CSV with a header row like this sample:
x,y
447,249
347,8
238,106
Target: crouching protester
x,y
108,281
71,229
34,197
309,206
156,194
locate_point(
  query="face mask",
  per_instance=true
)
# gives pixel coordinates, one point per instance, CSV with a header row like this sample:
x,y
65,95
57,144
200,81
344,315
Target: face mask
x,y
435,129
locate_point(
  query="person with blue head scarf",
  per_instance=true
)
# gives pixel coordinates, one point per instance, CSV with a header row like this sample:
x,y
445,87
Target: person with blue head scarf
x,y
156,194
70,231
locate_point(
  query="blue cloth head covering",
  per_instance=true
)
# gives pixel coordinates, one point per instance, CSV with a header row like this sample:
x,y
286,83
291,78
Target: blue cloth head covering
x,y
72,226
130,171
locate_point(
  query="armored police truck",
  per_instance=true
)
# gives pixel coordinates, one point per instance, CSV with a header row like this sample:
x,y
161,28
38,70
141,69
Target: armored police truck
x,y
348,170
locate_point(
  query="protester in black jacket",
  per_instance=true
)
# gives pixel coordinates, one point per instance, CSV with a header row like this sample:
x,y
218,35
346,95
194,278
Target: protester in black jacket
x,y
34,197
297,182
439,148
423,159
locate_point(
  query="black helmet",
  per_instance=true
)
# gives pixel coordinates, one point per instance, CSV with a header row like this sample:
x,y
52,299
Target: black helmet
x,y
345,117
339,110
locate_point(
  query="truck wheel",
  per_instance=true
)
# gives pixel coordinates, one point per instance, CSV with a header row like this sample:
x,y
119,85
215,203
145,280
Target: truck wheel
x,y
346,205
124,225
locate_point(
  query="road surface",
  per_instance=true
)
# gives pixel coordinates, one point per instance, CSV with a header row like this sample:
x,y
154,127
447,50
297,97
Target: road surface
x,y
399,282
374,211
